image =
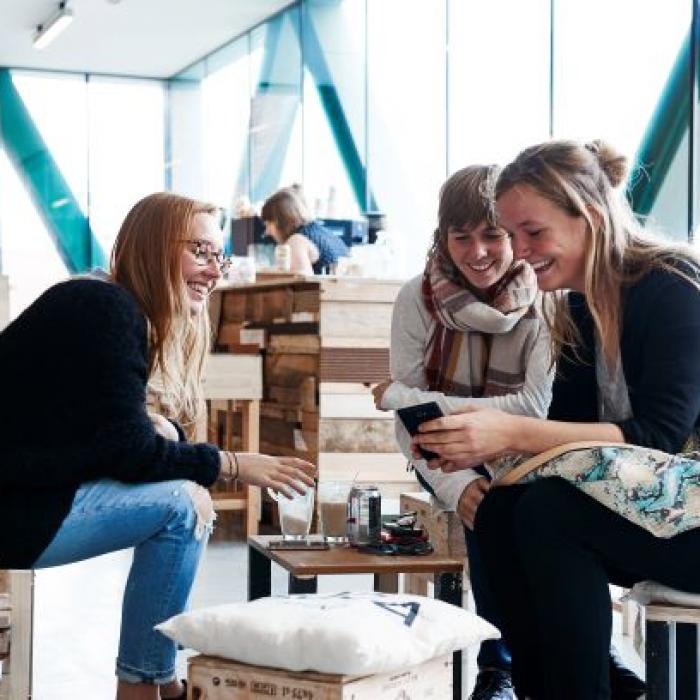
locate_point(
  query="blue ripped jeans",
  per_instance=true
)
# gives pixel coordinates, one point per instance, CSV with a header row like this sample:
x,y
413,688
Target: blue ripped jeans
x,y
168,524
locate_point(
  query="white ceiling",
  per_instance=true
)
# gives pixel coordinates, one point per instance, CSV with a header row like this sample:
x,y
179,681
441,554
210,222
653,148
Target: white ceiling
x,y
149,38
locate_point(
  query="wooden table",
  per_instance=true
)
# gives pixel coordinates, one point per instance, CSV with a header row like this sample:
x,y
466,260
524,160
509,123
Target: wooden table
x,y
305,566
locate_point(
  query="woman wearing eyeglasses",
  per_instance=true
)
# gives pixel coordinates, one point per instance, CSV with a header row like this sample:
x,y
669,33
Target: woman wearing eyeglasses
x,y
102,474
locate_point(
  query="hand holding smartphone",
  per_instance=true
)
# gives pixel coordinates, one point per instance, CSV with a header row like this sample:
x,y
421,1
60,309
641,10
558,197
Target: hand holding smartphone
x,y
413,416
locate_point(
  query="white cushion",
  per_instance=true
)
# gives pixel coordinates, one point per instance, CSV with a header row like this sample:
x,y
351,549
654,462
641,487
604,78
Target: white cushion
x,y
345,633
649,592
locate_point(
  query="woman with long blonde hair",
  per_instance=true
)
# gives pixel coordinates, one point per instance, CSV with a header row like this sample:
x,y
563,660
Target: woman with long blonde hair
x,y
111,469
626,338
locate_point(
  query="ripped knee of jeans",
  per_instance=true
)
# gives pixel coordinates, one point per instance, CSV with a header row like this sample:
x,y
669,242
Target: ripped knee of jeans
x,y
204,509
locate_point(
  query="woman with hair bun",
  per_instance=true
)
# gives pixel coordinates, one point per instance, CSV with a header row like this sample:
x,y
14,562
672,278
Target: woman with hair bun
x,y
625,330
85,467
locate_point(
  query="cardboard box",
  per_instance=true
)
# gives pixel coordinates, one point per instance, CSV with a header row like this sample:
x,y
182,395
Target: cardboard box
x,y
212,678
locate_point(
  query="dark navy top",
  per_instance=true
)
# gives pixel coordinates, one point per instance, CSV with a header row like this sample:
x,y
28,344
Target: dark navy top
x,y
73,376
330,247
660,352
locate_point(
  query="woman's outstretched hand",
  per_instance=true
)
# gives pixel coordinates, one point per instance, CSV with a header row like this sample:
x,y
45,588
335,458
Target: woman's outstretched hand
x,y
467,438
281,474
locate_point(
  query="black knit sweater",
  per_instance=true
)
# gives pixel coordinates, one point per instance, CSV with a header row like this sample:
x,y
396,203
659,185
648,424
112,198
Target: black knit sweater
x,y
660,351
73,375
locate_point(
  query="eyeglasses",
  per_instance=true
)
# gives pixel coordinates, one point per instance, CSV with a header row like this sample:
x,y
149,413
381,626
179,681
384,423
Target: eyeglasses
x,y
204,253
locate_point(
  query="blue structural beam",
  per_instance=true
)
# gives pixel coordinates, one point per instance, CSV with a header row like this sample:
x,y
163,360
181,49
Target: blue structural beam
x,y
663,135
52,197
315,61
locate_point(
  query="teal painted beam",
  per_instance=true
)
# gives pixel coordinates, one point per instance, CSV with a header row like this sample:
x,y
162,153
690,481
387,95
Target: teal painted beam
x,y
663,135
315,61
55,202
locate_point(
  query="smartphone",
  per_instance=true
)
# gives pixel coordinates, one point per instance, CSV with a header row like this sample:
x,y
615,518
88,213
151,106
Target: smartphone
x,y
413,416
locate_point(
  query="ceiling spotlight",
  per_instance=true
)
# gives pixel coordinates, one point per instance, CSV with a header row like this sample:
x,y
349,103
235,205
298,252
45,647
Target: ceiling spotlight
x,y
48,30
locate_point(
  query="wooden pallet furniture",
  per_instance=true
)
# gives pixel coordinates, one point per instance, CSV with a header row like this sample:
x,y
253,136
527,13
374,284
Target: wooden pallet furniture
x,y
233,390
325,342
16,633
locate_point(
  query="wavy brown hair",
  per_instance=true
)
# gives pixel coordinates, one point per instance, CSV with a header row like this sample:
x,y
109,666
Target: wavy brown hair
x,y
466,199
286,210
584,180
147,260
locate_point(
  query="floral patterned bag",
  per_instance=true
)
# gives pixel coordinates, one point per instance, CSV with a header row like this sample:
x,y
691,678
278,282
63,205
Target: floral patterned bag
x,y
655,490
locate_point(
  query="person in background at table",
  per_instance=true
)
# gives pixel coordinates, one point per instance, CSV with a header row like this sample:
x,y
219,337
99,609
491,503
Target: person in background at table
x,y
313,248
85,469
467,331
626,337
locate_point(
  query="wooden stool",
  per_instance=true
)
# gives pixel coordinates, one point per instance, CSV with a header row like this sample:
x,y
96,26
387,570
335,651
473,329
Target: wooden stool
x,y
672,651
16,627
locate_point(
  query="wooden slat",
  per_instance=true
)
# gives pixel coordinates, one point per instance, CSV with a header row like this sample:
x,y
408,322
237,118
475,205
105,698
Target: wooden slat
x,y
22,596
362,290
355,319
672,613
359,365
233,376
357,435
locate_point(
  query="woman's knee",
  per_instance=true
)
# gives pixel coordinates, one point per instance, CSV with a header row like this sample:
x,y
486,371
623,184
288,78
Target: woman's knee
x,y
549,507
193,507
494,516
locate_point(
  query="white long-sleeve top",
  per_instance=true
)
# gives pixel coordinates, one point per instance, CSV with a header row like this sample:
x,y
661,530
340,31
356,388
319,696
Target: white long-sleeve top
x,y
409,331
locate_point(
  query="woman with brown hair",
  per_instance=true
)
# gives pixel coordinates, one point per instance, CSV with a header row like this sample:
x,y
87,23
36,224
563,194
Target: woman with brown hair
x,y
313,248
626,338
467,331
103,474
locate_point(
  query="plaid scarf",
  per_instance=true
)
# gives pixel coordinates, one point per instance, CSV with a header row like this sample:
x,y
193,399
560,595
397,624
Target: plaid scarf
x,y
477,348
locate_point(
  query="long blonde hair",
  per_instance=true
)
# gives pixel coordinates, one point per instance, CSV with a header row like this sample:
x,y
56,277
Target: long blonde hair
x,y
146,260
583,180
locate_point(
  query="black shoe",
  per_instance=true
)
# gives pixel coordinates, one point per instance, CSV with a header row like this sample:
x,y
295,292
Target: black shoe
x,y
625,684
492,684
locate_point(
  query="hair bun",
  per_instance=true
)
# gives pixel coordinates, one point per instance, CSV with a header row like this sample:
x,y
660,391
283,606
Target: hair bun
x,y
612,162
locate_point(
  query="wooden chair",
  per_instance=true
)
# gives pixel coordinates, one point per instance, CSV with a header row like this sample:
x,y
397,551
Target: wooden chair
x,y
671,651
16,633
233,390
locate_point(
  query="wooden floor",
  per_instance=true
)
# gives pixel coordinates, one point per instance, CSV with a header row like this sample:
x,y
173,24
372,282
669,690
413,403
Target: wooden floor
x,y
77,615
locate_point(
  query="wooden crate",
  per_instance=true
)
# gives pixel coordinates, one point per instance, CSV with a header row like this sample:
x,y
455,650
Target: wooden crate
x,y
212,678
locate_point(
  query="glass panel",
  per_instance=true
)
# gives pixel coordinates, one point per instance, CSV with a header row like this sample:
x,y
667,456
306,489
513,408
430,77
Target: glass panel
x,y
598,96
334,106
226,116
127,121
407,119
498,97
29,256
57,107
275,122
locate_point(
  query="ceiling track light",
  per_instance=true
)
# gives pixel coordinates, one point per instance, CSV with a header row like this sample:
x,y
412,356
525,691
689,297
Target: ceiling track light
x,y
48,30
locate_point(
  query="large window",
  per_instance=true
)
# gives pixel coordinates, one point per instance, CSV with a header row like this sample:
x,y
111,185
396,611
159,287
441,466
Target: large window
x,y
77,154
